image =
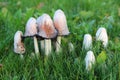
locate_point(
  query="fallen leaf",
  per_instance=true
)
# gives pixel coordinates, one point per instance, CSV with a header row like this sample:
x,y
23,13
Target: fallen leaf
x,y
101,57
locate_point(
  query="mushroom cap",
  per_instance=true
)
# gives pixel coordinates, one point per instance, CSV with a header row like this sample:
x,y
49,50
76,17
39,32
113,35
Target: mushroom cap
x,y
18,44
87,42
18,36
31,27
101,35
89,60
60,23
46,28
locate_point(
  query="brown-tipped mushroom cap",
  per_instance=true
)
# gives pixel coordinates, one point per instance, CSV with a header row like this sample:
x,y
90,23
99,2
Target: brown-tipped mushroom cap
x,y
31,27
60,23
45,27
18,44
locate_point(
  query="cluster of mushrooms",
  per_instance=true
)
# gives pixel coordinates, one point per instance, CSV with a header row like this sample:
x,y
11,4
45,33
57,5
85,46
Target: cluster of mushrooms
x,y
101,35
44,29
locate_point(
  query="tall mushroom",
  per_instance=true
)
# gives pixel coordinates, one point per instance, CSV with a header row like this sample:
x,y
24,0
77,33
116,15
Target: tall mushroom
x,y
60,24
31,31
18,44
46,30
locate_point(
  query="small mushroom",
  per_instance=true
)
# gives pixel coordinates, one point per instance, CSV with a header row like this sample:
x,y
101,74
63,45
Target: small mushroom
x,y
18,44
101,35
31,31
89,60
47,31
87,42
60,24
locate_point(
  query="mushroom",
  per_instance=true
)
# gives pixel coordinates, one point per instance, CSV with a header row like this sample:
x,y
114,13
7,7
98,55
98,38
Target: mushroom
x,y
101,35
71,47
18,44
60,24
31,31
87,42
47,31
89,60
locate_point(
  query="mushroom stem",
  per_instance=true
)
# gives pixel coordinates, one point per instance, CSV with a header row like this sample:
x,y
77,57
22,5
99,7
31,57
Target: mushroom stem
x,y
36,45
21,56
42,44
58,43
47,46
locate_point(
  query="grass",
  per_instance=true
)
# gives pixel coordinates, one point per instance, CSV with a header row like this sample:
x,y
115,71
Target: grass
x,y
83,16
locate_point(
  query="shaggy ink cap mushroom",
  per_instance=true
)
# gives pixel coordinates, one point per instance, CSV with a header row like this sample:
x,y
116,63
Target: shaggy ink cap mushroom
x,y
87,42
101,35
31,31
60,23
46,28
47,31
31,27
18,44
89,60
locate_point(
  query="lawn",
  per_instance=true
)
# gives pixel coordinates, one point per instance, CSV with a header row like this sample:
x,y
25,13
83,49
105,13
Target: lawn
x,y
83,16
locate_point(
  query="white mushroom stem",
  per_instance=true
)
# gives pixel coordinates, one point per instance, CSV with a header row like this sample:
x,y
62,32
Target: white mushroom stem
x,y
21,56
48,47
36,45
58,43
42,44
